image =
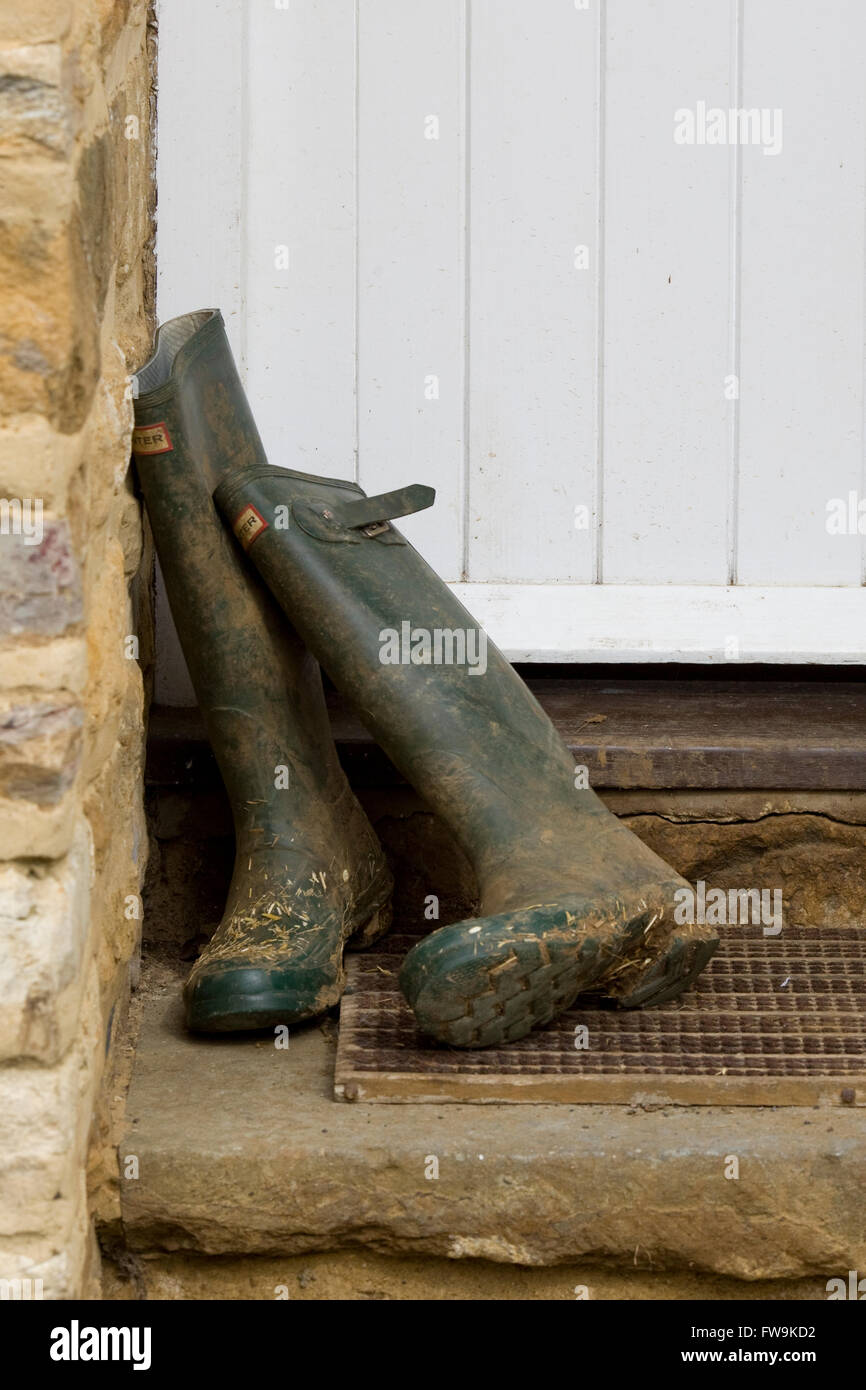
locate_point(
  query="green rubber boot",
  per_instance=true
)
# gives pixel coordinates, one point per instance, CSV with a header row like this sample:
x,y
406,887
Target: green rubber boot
x,y
570,899
309,871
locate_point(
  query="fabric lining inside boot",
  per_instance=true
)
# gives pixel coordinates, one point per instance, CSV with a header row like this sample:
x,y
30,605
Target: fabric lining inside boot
x,y
170,339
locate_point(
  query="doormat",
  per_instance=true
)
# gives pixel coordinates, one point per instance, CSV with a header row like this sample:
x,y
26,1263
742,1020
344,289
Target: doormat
x,y
771,1021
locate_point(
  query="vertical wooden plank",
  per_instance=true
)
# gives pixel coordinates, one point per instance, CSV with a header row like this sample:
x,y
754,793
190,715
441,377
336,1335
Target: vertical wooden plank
x,y
667,296
411,236
299,230
803,258
532,317
200,158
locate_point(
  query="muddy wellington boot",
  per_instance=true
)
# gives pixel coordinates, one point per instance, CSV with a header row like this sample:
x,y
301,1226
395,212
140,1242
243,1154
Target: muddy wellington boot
x,y
308,871
571,900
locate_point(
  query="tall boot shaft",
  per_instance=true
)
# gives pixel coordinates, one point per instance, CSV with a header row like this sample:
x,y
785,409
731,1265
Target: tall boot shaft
x,y
309,872
471,738
258,687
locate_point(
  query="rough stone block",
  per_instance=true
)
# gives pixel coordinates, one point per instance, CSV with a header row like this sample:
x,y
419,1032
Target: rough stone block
x,y
35,21
241,1150
55,1273
40,748
28,831
58,666
75,271
49,333
112,804
36,461
44,1123
810,846
106,459
342,1275
35,112
44,929
40,584
114,687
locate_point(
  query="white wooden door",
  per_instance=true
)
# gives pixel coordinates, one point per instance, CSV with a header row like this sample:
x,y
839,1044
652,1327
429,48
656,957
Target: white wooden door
x,y
594,268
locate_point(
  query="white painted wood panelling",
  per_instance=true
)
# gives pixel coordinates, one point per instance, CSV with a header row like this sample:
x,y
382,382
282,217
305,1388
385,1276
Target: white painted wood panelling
x,y
298,218
201,154
531,325
411,268
386,198
667,296
803,263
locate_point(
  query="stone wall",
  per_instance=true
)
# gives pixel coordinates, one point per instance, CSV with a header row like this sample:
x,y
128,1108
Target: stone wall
x,y
76,280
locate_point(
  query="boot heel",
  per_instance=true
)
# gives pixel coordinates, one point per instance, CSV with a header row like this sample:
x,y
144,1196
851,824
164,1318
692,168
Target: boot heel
x,y
374,928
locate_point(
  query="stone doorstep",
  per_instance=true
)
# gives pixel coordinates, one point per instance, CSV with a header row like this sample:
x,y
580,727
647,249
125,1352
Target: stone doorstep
x,y
360,1275
241,1150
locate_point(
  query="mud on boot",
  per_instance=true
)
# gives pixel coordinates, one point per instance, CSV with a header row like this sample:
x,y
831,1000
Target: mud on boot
x,y
571,900
309,871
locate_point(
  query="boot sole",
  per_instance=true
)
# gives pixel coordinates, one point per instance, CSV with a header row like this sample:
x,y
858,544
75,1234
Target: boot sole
x,y
494,980
681,963
247,1013
239,1011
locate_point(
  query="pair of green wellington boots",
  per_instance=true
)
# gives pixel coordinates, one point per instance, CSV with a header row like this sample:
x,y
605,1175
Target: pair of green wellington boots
x,y
570,900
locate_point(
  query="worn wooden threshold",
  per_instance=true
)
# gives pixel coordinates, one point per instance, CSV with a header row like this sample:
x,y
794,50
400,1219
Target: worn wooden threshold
x,y
639,734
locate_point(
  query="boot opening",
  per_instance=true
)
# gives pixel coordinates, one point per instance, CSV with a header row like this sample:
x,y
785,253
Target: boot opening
x,y
169,341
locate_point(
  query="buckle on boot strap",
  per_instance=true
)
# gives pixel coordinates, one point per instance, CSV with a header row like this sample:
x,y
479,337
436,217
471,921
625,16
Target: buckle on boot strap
x,y
366,513
341,520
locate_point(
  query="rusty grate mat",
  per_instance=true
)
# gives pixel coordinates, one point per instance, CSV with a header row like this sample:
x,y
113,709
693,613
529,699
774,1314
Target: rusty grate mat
x,y
771,1021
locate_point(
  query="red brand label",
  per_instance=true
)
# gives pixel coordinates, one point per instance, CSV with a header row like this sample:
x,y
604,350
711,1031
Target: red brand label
x,y
248,525
151,439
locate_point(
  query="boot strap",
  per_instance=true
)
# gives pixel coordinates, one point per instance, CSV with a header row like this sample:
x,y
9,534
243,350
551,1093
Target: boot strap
x,y
366,512
342,520
337,518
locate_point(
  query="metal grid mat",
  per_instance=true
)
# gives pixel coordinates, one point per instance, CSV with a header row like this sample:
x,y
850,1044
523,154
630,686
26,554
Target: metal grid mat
x,y
771,1021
